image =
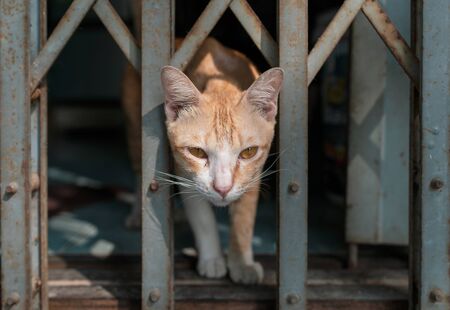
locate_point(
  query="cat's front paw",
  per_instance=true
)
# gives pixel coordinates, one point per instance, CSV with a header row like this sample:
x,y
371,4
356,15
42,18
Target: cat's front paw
x,y
212,268
241,272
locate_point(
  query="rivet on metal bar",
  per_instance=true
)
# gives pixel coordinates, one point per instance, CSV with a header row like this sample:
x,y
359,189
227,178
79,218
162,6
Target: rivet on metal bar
x,y
35,182
436,184
12,188
37,283
293,187
154,186
292,299
13,299
36,94
155,294
436,296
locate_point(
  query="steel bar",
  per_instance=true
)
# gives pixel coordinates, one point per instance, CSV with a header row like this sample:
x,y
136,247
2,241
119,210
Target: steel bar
x,y
331,36
119,31
157,260
43,151
377,16
198,33
293,144
256,30
431,214
58,39
34,211
15,168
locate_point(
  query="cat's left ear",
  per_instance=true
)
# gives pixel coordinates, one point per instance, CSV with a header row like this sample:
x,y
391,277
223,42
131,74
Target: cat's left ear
x,y
263,93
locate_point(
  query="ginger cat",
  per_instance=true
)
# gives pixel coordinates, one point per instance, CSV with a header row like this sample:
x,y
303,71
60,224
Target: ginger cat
x,y
220,119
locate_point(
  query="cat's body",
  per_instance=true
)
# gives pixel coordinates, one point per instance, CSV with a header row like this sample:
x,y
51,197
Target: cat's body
x,y
220,136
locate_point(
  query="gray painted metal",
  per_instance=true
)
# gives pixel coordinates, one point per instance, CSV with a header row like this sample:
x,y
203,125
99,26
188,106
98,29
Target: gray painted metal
x,y
35,228
432,207
58,39
119,31
43,197
256,30
378,161
157,266
15,155
202,27
293,143
331,36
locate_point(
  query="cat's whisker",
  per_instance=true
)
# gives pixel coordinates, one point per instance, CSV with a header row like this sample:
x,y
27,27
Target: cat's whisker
x,y
174,176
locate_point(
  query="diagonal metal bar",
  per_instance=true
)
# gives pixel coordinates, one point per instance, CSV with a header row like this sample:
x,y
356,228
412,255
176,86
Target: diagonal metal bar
x,y
256,30
377,16
331,36
202,27
58,39
119,31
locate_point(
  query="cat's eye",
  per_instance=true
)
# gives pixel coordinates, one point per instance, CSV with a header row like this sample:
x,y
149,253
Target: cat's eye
x,y
248,152
198,152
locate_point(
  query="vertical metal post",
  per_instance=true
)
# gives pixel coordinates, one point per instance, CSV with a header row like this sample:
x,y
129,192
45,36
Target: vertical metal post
x,y
431,282
15,155
293,143
157,267
36,230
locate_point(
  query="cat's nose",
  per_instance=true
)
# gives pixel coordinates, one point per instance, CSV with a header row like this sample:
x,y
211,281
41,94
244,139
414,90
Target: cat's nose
x,y
223,190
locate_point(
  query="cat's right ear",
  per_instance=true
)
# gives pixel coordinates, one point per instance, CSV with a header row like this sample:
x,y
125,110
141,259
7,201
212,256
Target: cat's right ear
x,y
180,93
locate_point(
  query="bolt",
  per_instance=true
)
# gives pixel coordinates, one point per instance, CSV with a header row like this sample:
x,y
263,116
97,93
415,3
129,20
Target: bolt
x,y
13,299
37,283
12,188
292,299
436,184
154,186
155,294
35,182
436,296
36,94
293,187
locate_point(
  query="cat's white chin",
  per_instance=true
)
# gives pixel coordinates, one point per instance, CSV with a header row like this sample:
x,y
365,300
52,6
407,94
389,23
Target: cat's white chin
x,y
223,202
220,203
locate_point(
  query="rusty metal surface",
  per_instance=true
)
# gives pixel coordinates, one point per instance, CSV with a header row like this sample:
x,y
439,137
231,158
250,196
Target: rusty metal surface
x,y
58,39
157,243
293,145
35,135
256,30
331,36
119,31
16,263
198,33
431,278
43,197
377,16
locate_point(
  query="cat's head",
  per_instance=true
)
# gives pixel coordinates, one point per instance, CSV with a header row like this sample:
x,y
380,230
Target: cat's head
x,y
221,142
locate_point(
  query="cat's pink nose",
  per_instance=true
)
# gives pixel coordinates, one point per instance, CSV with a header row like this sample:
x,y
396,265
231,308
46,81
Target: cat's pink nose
x,y
223,190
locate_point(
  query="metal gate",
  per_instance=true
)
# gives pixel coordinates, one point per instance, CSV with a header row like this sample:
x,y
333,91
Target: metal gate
x,y
26,56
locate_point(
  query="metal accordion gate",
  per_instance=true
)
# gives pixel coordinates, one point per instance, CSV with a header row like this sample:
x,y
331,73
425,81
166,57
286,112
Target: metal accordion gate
x,y
26,54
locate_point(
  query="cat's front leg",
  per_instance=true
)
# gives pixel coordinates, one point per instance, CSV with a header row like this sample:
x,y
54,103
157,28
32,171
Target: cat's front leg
x,y
211,263
242,267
